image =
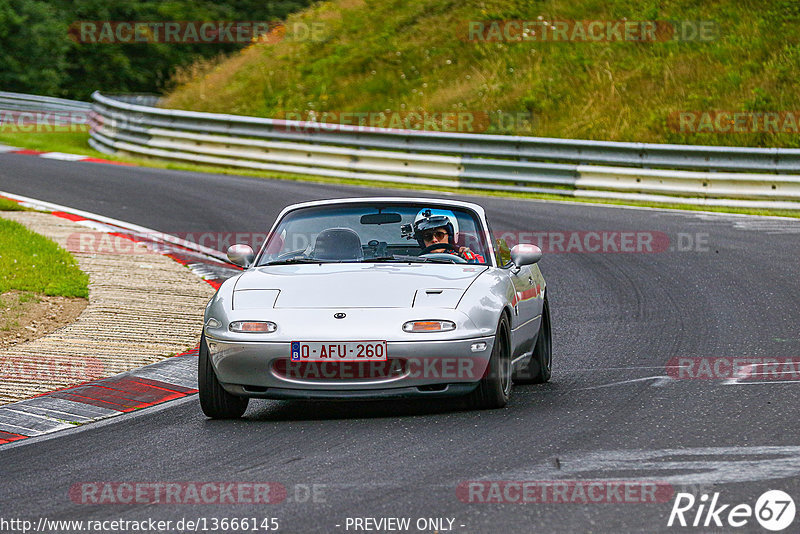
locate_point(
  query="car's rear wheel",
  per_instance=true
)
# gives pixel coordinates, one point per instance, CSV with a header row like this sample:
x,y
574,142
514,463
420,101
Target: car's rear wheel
x,y
540,366
214,400
494,389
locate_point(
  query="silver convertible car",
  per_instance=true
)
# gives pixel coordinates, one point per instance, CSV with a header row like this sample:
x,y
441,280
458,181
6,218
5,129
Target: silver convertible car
x,y
376,298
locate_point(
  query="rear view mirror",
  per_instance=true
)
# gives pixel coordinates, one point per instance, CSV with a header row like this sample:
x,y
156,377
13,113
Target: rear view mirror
x,y
525,254
381,218
241,255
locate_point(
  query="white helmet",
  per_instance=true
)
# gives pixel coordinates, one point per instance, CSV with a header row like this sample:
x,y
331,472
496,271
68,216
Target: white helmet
x,y
428,219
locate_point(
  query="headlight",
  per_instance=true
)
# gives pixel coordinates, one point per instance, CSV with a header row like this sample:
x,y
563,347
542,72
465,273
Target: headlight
x,y
213,323
263,327
429,326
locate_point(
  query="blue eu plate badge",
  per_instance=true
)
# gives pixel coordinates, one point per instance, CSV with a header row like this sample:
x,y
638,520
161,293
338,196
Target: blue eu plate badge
x,y
295,351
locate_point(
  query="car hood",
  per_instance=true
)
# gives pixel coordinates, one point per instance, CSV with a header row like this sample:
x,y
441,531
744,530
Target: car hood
x,y
361,285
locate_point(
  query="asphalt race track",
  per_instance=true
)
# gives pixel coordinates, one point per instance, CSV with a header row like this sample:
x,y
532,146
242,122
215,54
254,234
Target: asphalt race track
x,y
725,287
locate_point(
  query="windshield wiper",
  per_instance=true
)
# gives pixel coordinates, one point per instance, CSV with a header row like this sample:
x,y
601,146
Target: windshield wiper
x,y
405,259
296,259
439,260
393,257
378,259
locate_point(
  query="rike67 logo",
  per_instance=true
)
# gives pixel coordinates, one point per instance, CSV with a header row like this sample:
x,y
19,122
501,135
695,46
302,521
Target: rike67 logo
x,y
774,510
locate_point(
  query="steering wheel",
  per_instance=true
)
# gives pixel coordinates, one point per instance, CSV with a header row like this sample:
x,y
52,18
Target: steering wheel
x,y
443,256
426,252
437,246
291,254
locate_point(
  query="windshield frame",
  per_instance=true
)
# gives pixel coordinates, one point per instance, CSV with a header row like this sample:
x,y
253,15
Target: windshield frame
x,y
477,214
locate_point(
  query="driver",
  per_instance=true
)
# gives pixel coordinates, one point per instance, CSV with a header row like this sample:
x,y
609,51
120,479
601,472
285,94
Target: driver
x,y
433,227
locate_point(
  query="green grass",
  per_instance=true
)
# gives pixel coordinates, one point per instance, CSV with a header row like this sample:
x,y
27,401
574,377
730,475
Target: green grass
x,y
31,262
68,142
402,56
79,140
10,205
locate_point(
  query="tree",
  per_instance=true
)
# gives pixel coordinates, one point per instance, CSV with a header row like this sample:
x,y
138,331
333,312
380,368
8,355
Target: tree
x,y
37,54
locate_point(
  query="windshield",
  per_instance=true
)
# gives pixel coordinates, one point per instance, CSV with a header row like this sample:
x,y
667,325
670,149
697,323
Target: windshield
x,y
382,232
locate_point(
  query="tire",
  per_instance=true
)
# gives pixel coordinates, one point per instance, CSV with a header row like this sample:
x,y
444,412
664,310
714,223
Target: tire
x,y
494,389
214,400
540,366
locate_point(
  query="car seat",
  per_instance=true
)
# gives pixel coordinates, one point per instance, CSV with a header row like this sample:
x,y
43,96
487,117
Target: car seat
x,y
338,244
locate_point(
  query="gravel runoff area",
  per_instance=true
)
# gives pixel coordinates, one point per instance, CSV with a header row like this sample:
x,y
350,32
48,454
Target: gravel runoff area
x,y
143,307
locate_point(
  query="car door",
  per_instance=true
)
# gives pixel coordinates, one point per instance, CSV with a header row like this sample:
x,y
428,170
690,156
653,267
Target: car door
x,y
525,302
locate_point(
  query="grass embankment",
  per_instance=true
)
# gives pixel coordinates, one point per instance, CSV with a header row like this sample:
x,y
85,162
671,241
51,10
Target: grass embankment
x,y
10,205
41,286
402,56
30,262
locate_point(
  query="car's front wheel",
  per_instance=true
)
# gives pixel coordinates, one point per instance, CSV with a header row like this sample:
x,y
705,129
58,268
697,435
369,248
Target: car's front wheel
x,y
494,389
540,366
214,400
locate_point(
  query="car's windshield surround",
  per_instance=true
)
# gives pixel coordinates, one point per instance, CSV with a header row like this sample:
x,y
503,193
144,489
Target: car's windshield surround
x,y
464,213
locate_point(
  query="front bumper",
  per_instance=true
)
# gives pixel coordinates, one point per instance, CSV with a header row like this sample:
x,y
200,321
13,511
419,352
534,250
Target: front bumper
x,y
418,368
395,393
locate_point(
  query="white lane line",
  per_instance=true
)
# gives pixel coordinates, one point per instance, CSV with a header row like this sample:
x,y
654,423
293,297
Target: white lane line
x,y
770,227
700,465
735,382
100,422
658,382
63,156
633,367
61,421
57,415
747,371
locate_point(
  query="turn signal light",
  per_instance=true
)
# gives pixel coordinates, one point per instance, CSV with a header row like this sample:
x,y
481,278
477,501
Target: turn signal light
x,y
429,326
262,327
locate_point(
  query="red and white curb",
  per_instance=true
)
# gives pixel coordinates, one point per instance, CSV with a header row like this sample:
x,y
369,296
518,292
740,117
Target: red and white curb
x,y
61,156
153,384
167,380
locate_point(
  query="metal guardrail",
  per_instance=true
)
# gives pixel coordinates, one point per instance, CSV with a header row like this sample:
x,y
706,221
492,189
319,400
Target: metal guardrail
x,y
705,175
23,113
23,102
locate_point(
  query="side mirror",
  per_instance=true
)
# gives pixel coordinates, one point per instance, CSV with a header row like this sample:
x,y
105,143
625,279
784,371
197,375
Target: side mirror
x,y
241,255
525,254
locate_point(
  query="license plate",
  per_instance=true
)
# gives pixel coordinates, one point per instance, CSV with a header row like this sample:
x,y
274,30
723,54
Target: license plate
x,y
314,351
